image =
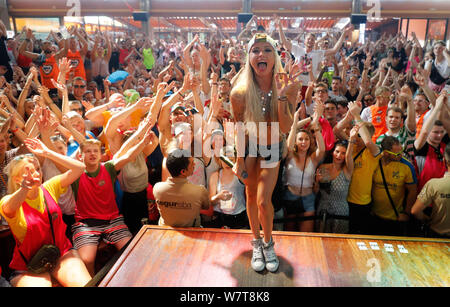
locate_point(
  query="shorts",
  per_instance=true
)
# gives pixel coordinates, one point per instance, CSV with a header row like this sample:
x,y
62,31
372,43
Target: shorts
x,y
89,232
265,152
237,221
293,204
16,273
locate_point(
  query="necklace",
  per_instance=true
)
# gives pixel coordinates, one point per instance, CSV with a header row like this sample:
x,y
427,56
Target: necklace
x,y
265,101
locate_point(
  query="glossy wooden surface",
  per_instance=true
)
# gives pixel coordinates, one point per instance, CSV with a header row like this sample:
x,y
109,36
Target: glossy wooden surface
x,y
196,257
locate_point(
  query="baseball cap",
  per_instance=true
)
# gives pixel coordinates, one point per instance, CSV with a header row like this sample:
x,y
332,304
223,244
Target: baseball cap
x,y
131,96
176,106
261,37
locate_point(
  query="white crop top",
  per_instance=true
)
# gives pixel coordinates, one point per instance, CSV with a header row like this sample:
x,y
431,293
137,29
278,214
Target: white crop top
x,y
292,174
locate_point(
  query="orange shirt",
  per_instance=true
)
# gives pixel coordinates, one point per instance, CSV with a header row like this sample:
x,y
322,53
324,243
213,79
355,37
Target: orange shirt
x,y
76,60
419,123
378,121
49,70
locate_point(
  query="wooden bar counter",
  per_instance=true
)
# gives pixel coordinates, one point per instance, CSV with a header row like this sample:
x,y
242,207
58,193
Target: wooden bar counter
x,y
203,257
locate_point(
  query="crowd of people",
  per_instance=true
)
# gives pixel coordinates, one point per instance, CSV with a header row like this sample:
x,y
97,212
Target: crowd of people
x,y
99,134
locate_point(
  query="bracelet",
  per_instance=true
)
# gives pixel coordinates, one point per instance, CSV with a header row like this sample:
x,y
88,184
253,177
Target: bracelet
x,y
283,98
214,83
179,93
15,130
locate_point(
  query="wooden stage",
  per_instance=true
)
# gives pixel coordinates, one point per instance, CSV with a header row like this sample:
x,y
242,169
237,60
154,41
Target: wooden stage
x,y
202,257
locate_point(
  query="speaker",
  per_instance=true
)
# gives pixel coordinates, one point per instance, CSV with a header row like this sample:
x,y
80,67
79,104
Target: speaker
x,y
244,17
357,19
141,16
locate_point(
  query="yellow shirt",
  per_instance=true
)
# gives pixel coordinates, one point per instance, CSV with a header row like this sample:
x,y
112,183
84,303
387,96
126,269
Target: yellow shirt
x,y
397,174
360,189
18,223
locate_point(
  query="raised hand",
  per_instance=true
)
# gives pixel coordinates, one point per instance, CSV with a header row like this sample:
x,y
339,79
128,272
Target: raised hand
x,y
354,108
87,105
42,116
287,88
419,78
296,70
59,86
319,107
29,180
36,147
145,103
405,93
354,132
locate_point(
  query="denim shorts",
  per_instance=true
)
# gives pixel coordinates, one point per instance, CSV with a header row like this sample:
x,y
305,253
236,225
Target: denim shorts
x,y
265,152
308,202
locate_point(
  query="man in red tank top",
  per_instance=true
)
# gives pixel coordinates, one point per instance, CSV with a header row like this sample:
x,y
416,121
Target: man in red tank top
x,y
96,212
430,144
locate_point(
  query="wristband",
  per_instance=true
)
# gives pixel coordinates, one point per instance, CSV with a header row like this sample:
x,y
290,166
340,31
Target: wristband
x,y
179,93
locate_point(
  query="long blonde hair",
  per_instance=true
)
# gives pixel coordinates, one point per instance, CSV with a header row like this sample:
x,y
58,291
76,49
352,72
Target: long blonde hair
x,y
247,84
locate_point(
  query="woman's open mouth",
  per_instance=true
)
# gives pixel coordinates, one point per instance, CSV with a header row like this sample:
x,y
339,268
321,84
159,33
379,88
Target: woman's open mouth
x,y
262,66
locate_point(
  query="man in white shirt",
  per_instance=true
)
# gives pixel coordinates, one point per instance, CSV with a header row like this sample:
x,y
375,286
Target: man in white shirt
x,y
308,54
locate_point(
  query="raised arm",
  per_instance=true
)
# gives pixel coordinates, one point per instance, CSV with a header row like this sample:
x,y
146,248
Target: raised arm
x,y
339,43
130,155
349,154
23,47
286,43
75,168
429,123
187,52
406,95
355,109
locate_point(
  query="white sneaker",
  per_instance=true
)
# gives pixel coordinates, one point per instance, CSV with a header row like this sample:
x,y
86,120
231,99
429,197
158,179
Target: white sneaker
x,y
271,258
258,263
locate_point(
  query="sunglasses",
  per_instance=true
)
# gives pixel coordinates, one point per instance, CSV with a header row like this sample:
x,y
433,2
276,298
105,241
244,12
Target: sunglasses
x,y
21,157
397,154
79,86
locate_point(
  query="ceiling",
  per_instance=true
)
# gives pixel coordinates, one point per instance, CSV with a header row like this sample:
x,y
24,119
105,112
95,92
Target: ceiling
x,y
230,8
